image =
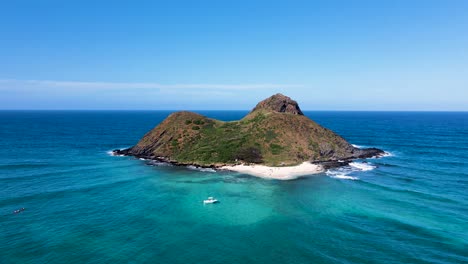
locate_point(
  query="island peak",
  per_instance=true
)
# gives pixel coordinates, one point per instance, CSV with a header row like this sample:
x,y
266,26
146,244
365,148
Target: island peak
x,y
279,103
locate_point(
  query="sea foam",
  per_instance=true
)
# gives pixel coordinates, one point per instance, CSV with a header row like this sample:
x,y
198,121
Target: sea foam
x,y
159,163
111,153
341,173
191,167
384,155
388,154
344,173
362,166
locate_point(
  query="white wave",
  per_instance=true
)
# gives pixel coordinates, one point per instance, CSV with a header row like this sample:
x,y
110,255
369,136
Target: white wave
x,y
142,159
191,167
341,173
111,153
388,154
362,166
158,163
345,177
345,172
385,154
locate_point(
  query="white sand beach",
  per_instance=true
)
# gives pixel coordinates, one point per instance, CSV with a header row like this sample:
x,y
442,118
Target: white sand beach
x,y
277,173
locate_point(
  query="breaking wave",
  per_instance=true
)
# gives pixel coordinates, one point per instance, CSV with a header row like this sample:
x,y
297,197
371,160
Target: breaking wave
x,y
111,153
388,154
345,173
158,163
362,166
191,167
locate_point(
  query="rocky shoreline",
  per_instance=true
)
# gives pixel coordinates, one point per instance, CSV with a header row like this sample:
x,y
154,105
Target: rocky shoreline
x,y
328,164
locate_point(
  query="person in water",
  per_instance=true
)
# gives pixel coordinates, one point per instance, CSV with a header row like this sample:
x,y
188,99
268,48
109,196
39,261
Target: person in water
x,y
18,210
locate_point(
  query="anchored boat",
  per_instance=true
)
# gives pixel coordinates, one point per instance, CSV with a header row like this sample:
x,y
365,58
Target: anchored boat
x,y
210,200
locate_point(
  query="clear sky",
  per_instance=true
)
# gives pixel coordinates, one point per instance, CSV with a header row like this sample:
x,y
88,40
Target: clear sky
x,y
328,55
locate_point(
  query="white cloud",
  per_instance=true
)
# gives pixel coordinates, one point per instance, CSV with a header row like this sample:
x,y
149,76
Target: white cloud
x,y
51,84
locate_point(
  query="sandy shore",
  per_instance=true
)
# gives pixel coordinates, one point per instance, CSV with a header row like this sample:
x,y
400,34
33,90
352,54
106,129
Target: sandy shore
x,y
278,173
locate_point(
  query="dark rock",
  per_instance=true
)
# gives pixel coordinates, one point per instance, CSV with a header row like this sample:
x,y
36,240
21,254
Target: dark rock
x,y
367,153
124,152
333,163
279,103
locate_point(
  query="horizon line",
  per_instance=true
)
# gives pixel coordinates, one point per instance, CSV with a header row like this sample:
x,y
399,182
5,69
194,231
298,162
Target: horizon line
x,y
226,110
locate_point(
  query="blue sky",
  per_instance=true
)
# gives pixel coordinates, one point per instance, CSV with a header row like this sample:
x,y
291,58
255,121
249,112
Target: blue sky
x,y
328,55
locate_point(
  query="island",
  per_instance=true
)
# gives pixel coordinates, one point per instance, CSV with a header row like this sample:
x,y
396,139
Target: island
x,y
274,140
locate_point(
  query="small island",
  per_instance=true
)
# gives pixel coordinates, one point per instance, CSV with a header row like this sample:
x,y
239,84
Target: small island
x,y
275,140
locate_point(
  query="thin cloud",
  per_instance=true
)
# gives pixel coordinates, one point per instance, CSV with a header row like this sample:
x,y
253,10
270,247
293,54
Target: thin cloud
x,y
13,83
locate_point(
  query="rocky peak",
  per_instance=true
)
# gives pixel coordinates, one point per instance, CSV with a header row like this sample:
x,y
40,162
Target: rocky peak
x,y
279,103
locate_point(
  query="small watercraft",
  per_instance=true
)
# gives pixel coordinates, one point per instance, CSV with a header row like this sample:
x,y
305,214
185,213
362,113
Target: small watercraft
x,y
210,200
18,211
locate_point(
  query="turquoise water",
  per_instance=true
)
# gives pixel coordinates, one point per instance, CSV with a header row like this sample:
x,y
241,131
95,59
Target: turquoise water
x,y
84,206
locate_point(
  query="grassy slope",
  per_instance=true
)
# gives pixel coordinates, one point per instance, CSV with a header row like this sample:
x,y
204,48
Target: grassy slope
x,y
281,138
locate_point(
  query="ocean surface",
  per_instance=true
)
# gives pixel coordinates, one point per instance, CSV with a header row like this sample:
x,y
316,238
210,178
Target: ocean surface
x,y
83,205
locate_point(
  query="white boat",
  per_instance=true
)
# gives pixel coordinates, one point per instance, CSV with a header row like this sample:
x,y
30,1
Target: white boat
x,y
210,200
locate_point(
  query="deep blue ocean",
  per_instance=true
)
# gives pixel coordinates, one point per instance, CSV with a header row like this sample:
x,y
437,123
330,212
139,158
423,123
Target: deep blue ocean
x,y
83,205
